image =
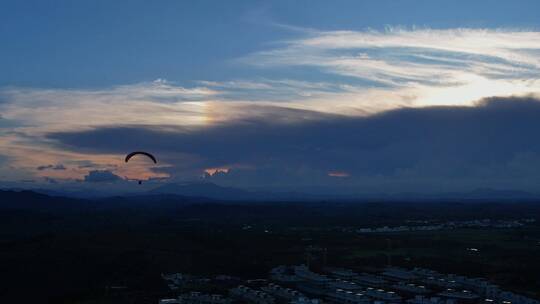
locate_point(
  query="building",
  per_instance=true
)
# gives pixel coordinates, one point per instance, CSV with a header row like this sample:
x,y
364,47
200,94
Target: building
x,y
507,297
341,273
249,295
304,273
303,300
197,298
461,296
348,297
383,295
399,274
432,300
312,283
284,274
370,280
169,301
282,292
411,288
342,284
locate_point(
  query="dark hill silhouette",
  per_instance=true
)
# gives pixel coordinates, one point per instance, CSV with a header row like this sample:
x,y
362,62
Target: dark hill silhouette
x,y
30,200
193,193
221,193
208,190
38,202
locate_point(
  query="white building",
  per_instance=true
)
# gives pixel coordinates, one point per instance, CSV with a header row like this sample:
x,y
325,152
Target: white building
x,y
508,297
303,300
197,298
251,295
381,294
411,288
432,300
282,292
348,297
201,298
370,280
342,284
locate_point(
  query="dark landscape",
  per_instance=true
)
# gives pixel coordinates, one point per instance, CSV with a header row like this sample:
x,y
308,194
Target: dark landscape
x,y
63,250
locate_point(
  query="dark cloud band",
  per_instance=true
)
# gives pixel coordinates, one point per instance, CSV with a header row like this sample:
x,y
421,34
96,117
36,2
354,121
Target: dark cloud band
x,y
494,140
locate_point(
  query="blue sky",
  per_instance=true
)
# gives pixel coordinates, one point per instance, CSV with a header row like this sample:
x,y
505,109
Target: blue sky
x,y
100,43
80,78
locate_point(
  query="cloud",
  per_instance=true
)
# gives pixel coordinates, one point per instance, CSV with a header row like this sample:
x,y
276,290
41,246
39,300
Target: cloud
x,y
3,160
51,167
51,180
493,144
142,103
30,113
417,67
326,101
387,55
348,72
101,176
338,174
344,72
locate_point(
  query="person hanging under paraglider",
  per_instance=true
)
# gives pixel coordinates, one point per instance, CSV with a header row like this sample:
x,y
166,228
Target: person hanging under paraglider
x,y
130,155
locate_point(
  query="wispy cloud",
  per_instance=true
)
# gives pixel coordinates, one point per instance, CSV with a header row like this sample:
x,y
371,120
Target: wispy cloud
x,y
472,47
142,103
417,67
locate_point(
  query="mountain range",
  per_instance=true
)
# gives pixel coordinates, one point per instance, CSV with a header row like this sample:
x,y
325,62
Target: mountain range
x,y
204,191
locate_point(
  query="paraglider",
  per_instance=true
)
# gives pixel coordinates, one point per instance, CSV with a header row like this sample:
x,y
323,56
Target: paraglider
x,y
130,155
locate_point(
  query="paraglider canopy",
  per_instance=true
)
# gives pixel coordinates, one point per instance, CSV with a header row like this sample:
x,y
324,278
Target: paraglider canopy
x,y
130,155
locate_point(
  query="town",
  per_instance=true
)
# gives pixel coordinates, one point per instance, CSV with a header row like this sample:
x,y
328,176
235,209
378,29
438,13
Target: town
x,y
303,284
449,225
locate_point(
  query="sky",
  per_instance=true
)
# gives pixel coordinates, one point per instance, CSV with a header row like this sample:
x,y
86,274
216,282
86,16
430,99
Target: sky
x,y
328,96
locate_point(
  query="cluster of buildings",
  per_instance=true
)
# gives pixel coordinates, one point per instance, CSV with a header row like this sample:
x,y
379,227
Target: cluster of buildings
x,y
195,297
299,284
484,223
175,280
